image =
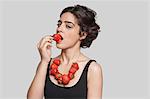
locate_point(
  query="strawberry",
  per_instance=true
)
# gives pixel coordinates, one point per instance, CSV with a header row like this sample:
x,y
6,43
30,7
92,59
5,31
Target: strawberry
x,y
75,65
53,71
72,70
57,61
57,38
54,66
58,75
71,75
65,79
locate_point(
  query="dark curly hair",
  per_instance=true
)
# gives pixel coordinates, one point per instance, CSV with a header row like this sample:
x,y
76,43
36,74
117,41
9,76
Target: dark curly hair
x,y
86,20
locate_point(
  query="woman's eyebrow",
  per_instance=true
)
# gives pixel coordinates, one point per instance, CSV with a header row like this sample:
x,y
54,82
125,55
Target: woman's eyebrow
x,y
59,21
69,22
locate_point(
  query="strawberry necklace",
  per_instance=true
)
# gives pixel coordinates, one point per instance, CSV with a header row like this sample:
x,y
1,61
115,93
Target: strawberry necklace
x,y
63,79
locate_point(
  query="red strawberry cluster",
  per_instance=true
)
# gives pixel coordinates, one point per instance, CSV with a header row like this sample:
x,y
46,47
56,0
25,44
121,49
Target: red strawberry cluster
x,y
62,78
57,38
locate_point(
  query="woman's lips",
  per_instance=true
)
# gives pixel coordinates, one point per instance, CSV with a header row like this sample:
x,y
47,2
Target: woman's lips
x,y
57,37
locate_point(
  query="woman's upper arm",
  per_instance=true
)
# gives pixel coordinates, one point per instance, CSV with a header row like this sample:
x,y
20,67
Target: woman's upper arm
x,y
95,81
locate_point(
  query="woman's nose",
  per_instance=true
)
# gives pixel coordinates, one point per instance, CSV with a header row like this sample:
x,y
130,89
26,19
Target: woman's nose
x,y
60,28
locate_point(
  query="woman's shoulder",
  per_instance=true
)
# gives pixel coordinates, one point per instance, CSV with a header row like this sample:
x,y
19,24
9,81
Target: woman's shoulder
x,y
94,66
95,69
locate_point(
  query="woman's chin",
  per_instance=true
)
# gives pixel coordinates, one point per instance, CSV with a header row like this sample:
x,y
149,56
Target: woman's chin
x,y
60,46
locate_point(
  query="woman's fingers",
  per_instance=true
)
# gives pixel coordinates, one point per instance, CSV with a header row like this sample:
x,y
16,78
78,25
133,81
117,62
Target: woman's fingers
x,y
47,45
47,38
44,46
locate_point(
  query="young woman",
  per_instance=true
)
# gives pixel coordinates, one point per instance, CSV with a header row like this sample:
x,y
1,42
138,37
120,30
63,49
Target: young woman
x,y
71,74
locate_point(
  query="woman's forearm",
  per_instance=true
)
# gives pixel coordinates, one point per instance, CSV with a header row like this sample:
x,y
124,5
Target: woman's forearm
x,y
36,90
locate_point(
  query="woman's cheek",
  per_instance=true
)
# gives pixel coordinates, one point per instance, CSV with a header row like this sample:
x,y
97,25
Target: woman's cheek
x,y
72,39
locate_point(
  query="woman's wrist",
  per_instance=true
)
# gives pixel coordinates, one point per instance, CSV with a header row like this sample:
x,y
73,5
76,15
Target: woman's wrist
x,y
43,62
42,66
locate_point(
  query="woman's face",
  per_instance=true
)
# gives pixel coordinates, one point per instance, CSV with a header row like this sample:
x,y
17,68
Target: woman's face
x,y
69,30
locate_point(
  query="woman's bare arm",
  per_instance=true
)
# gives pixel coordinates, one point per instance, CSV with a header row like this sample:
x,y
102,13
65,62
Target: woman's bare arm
x,y
95,81
36,90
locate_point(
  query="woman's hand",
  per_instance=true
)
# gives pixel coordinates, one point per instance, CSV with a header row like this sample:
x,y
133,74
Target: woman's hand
x,y
44,47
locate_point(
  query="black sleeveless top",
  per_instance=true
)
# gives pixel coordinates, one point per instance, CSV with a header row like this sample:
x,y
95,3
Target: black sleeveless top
x,y
78,91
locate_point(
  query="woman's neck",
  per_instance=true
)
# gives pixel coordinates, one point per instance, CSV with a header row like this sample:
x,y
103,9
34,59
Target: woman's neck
x,y
70,55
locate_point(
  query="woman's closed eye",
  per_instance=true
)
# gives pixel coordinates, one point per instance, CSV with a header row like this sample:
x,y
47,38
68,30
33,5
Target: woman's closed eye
x,y
68,26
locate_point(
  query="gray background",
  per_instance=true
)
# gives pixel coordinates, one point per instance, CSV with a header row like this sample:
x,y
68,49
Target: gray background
x,y
121,47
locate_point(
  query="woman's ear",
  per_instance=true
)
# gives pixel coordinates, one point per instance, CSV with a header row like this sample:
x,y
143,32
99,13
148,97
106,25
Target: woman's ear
x,y
83,35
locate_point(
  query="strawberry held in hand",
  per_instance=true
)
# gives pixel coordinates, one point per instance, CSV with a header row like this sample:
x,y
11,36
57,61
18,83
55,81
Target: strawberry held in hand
x,y
57,38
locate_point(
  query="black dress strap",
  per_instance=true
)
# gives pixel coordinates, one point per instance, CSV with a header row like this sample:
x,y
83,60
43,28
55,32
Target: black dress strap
x,y
49,62
88,64
47,74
